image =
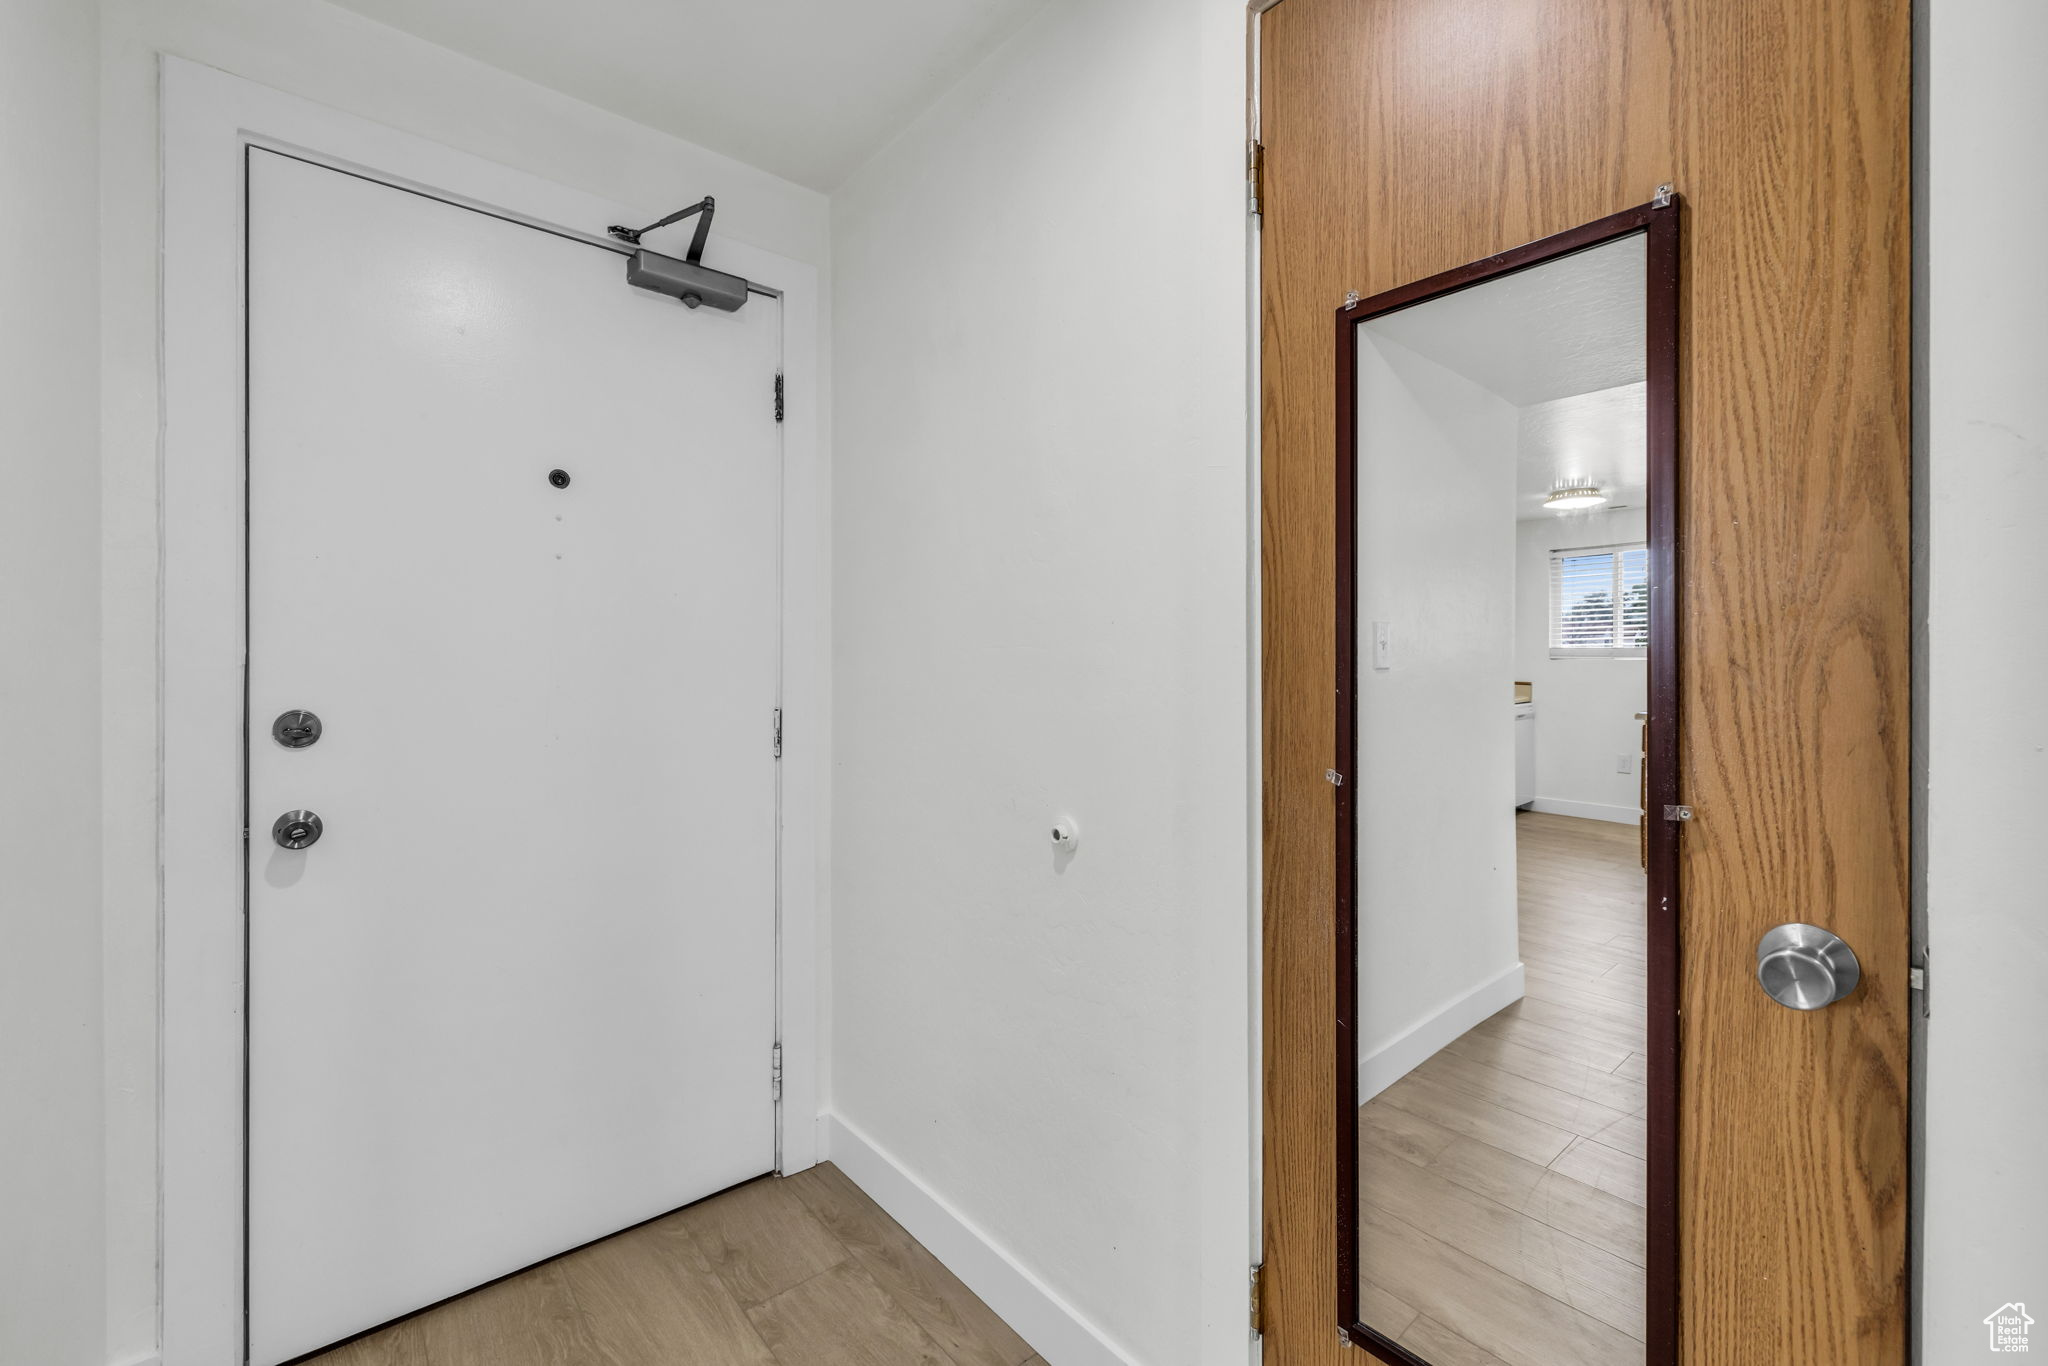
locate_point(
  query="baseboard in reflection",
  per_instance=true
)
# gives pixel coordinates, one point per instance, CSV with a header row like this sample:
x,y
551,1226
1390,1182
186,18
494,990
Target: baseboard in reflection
x,y
1421,1041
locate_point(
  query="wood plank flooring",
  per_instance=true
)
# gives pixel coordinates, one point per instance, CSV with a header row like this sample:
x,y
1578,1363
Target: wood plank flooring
x,y
800,1272
1501,1182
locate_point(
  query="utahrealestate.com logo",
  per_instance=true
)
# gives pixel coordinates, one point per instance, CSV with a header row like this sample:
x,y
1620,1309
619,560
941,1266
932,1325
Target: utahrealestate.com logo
x,y
2008,1325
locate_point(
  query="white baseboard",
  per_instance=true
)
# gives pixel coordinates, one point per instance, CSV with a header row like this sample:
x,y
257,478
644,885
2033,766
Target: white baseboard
x,y
1055,1330
151,1360
1420,1042
1587,811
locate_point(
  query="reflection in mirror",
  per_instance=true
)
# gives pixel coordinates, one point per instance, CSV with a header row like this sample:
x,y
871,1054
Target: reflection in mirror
x,y
1500,687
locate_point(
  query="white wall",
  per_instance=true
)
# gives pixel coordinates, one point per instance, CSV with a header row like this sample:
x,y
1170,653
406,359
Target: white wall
x,y
1071,452
1585,708
51,1168
1435,780
1985,493
1041,595
338,58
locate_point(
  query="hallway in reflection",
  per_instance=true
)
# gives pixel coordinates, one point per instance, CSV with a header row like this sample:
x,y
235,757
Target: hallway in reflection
x,y
1501,1182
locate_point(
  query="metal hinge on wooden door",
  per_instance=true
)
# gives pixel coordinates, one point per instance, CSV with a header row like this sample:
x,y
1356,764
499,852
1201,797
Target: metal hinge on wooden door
x,y
775,1075
1259,1300
1255,176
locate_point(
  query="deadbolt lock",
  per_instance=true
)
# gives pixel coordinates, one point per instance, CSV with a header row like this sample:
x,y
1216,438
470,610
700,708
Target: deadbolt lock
x,y
296,830
295,729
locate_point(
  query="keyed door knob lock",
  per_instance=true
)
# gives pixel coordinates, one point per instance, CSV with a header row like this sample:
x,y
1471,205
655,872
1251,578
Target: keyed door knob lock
x,y
296,830
295,729
1804,967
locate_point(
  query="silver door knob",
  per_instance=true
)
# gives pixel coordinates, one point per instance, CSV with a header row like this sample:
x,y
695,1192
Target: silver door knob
x,y
1804,967
296,829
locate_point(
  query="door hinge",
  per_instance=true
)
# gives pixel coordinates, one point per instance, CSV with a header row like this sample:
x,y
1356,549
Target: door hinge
x,y
1255,174
778,732
1259,1300
775,1076
778,396
1916,981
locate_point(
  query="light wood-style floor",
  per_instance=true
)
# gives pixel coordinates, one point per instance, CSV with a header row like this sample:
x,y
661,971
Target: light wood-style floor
x,y
800,1272
1501,1182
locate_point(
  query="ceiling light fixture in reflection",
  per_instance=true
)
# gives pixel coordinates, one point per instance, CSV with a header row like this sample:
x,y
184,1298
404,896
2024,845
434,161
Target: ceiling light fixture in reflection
x,y
1574,496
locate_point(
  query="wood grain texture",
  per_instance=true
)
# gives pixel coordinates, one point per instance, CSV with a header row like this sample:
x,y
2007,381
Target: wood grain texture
x,y
525,1320
806,1324
402,1344
954,1316
803,1272
650,1297
1405,137
760,1240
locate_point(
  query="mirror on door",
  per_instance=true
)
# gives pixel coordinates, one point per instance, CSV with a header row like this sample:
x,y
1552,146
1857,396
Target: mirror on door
x,y
1506,993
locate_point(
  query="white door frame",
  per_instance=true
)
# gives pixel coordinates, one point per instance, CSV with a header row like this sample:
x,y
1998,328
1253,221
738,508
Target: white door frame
x,y
209,118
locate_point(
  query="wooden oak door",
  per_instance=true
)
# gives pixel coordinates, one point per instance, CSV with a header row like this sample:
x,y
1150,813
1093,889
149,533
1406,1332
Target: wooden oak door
x,y
1402,139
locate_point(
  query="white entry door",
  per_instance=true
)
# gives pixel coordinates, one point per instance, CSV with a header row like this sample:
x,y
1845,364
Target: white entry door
x,y
520,992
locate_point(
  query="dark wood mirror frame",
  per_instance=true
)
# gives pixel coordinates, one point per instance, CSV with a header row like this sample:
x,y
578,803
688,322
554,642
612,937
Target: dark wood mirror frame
x,y
1659,222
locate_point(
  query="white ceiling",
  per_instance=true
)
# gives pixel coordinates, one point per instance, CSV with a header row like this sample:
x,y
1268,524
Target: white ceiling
x,y
1594,438
1564,343
1568,327
808,89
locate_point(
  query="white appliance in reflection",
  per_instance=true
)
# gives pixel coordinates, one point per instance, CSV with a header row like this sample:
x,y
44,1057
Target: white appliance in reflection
x,y
1525,753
